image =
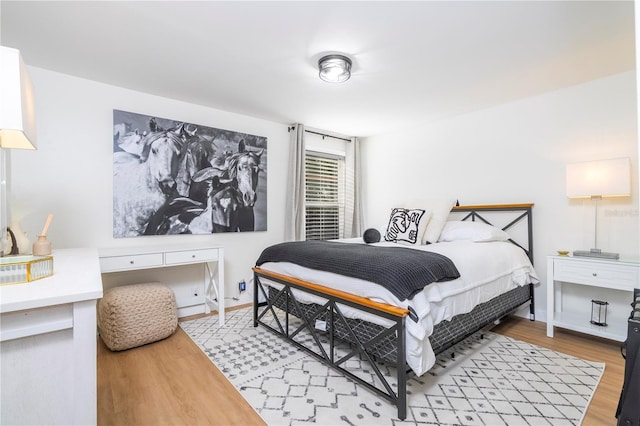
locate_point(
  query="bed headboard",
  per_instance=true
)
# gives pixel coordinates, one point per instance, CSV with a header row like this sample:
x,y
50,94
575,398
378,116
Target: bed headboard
x,y
516,215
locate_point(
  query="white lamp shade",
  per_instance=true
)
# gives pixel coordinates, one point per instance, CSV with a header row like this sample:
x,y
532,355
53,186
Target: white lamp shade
x,y
17,109
603,178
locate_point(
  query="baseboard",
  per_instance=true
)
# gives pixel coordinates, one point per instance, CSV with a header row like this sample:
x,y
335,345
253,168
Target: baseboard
x,y
186,311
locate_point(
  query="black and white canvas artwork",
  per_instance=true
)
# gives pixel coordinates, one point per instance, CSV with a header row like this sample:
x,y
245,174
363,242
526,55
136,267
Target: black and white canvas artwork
x,y
172,177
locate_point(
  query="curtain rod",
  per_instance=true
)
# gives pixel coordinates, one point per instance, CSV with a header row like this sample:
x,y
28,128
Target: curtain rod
x,y
289,129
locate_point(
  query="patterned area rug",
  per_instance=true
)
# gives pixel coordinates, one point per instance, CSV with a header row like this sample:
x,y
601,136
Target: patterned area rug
x,y
493,380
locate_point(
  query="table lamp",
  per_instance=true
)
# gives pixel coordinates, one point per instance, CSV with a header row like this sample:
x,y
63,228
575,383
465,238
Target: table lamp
x,y
596,180
17,120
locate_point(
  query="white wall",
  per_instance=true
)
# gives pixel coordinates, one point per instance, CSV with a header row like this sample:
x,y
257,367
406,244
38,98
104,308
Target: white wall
x,y
516,153
509,154
70,175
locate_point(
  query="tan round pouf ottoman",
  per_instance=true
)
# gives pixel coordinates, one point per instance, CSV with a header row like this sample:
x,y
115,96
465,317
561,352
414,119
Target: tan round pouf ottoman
x,y
137,314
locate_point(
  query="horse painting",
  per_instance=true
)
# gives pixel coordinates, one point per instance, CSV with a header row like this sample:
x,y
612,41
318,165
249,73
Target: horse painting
x,y
188,179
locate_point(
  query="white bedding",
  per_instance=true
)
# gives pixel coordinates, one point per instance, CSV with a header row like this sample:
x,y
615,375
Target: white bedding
x,y
486,270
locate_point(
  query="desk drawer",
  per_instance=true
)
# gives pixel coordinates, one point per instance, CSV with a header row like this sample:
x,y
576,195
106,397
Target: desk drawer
x,y
191,256
136,261
32,322
621,276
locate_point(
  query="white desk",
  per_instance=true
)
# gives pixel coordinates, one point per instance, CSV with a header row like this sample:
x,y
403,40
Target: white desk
x,y
136,258
49,347
615,279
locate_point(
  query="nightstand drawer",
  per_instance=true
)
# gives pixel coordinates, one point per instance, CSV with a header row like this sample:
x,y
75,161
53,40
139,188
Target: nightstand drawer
x,y
619,276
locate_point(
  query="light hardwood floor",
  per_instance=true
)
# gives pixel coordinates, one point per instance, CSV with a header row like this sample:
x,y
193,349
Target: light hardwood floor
x,y
172,382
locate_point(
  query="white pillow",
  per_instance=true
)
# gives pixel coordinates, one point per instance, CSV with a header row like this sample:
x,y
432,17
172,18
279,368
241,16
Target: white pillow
x,y
407,226
474,231
440,209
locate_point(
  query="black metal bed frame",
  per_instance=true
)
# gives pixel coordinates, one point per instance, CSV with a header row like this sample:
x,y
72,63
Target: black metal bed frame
x,y
332,310
526,209
327,326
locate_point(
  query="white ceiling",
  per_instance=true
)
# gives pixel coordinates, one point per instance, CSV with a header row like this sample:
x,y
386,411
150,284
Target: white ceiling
x,y
414,61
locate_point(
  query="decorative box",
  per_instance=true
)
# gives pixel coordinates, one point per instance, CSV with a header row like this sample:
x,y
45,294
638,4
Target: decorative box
x,y
24,268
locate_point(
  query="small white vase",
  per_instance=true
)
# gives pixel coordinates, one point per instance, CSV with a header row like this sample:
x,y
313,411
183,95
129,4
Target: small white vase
x,y
22,241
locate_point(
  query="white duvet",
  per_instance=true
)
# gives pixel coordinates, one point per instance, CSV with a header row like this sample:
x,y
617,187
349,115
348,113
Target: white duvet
x,y
486,270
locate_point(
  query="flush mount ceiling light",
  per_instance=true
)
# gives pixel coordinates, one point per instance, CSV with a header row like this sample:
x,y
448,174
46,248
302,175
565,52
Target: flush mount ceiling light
x,y
334,68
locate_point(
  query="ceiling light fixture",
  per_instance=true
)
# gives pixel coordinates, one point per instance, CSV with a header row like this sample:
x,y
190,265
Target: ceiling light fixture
x,y
334,68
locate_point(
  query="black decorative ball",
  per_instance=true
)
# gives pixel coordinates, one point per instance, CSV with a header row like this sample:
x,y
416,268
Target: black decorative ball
x,y
371,235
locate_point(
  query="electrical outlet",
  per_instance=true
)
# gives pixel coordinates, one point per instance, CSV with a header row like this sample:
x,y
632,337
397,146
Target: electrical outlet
x,y
195,291
242,286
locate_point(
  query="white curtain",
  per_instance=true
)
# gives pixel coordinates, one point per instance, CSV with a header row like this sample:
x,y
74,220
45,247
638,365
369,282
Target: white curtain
x,y
353,217
294,224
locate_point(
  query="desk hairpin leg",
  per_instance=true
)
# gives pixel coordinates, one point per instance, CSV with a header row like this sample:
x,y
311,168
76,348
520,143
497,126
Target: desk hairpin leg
x,y
214,290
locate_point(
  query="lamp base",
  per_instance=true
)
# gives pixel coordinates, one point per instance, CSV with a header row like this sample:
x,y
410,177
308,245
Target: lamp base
x,y
596,253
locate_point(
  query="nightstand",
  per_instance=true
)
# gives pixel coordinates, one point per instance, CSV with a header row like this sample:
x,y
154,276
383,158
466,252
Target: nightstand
x,y
572,282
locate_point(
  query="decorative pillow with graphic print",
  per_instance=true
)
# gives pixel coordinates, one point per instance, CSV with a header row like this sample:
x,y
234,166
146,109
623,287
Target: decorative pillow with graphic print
x,y
407,226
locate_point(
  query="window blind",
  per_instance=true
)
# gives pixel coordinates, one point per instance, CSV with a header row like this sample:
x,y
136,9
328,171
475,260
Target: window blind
x,y
324,199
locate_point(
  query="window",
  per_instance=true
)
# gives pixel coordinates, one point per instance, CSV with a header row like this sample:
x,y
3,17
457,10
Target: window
x,y
324,200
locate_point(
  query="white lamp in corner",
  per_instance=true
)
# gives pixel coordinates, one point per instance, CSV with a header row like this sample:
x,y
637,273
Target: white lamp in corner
x,y
17,109
596,180
17,120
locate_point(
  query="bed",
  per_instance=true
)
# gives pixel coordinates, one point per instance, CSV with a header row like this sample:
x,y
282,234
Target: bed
x,y
373,333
